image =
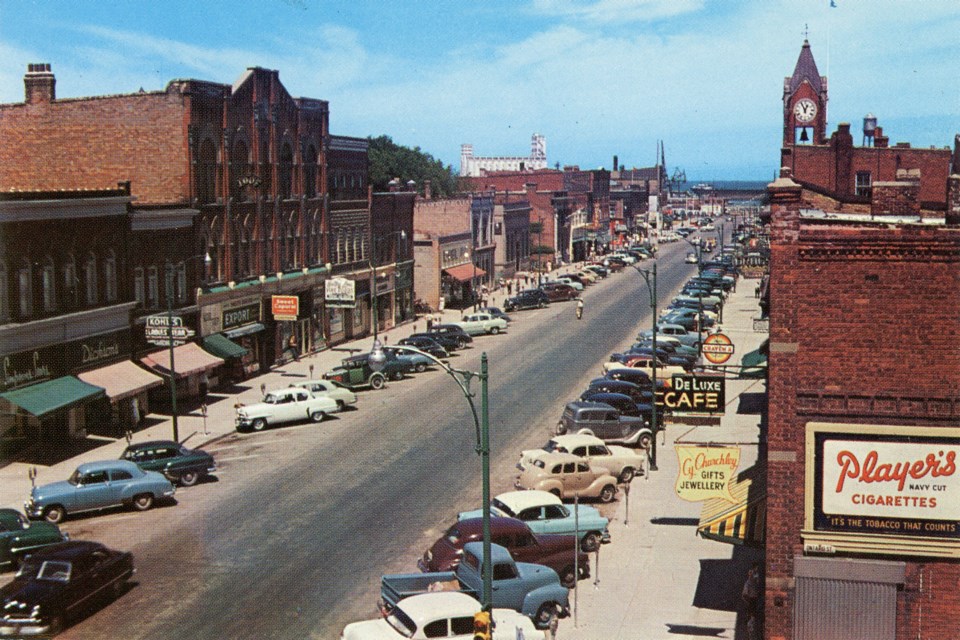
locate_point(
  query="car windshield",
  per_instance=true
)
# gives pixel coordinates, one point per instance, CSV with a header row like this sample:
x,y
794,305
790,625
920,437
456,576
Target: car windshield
x,y
271,399
74,478
401,623
54,570
499,506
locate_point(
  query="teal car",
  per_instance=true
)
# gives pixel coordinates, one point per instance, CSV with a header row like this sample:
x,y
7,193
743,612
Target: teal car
x,y
19,537
545,513
414,361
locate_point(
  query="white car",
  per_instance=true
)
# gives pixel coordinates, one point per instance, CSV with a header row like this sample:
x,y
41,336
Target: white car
x,y
691,258
331,389
292,404
621,462
476,324
570,281
440,614
664,371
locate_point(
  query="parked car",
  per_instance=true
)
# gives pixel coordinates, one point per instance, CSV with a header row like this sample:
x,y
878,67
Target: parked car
x,y
622,462
440,614
355,372
571,282
645,364
605,422
614,263
531,589
567,476
674,331
559,291
527,299
416,362
94,486
54,584
545,513
597,270
20,537
621,402
293,404
553,550
427,345
331,389
477,324
175,461
454,331
496,312
586,276
691,258
638,377
637,393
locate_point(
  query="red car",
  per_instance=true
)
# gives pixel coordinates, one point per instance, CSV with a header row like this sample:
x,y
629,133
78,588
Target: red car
x,y
553,550
558,291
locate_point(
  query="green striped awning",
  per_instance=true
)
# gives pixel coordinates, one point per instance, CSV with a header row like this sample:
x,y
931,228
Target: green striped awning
x,y
44,398
222,347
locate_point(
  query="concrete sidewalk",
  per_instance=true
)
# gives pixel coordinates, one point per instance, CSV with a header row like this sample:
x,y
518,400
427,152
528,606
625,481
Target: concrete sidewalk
x,y
657,578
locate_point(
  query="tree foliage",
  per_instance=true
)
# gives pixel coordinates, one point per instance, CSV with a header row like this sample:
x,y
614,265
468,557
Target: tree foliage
x,y
388,160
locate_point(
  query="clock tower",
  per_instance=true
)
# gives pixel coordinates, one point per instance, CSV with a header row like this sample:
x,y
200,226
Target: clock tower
x,y
805,103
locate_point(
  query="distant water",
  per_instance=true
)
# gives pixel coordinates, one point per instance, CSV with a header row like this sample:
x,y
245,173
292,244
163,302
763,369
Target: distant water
x,y
740,185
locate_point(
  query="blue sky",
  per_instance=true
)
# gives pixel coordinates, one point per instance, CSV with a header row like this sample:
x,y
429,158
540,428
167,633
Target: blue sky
x,y
596,77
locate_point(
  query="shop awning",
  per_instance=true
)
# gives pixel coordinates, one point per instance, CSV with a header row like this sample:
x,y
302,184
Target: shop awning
x,y
754,364
48,397
121,380
741,522
464,272
246,330
188,359
222,347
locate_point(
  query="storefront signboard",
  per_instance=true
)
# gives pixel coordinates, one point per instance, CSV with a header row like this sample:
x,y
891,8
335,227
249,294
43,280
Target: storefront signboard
x,y
340,293
705,472
879,480
285,307
695,395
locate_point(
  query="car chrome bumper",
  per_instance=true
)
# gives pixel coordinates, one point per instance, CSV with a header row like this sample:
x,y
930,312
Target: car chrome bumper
x,y
605,537
32,510
20,628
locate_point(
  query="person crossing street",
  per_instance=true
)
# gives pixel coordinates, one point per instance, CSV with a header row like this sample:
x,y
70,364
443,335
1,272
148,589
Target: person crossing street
x,y
579,308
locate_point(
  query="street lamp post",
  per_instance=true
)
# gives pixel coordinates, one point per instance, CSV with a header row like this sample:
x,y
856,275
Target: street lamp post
x,y
462,377
650,277
373,276
173,369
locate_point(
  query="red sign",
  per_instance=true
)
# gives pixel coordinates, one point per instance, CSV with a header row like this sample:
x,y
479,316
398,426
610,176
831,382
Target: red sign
x,y
717,348
285,307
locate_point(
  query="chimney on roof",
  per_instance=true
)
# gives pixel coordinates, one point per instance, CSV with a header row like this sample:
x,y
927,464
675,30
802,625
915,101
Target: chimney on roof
x,y
953,200
39,84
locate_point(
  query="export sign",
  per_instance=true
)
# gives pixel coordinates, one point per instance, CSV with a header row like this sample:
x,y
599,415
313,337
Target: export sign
x,y
900,481
717,348
699,394
285,307
706,472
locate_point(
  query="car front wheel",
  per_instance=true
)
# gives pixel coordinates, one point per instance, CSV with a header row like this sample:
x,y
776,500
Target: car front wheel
x,y
54,514
189,478
645,441
590,542
259,424
494,330
608,493
626,475
546,615
318,416
421,367
568,577
143,501
377,381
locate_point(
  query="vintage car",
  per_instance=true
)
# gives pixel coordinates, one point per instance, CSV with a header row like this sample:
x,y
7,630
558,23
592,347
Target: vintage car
x,y
620,461
571,281
330,389
645,364
621,402
447,341
56,583
527,299
425,344
641,394
355,372
98,485
567,476
496,312
19,537
415,361
293,404
545,513
476,324
553,550
453,331
605,422
172,459
440,614
559,291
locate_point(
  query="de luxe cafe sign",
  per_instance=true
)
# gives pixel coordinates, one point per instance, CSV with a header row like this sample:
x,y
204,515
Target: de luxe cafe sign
x,y
869,481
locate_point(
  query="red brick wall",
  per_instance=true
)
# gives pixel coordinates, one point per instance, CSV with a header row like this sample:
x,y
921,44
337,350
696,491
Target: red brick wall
x,y
97,142
857,311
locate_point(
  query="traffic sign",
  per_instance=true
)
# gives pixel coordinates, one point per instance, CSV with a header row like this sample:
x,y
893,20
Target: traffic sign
x,y
717,348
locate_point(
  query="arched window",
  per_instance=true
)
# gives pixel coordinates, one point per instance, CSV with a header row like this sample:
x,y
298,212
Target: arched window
x,y
153,287
266,175
110,288
25,289
310,172
90,273
207,173
169,281
286,171
4,294
49,285
293,257
139,286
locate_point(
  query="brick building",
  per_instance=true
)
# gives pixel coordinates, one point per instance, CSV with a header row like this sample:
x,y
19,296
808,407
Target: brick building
x,y
443,247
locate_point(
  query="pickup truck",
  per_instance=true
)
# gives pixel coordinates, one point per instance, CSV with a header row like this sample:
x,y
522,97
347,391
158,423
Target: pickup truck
x,y
284,405
532,589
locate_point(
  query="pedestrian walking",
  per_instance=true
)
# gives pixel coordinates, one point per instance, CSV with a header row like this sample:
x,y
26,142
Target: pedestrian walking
x,y
579,308
751,600
294,348
510,287
756,292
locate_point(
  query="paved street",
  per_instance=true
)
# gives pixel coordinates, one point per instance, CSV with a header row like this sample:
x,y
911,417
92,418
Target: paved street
x,y
292,538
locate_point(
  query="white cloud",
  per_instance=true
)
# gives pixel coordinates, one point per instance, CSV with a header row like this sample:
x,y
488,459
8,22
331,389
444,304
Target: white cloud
x,y
615,11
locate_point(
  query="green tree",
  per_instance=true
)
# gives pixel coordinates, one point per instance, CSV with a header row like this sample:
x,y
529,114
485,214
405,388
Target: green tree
x,y
389,160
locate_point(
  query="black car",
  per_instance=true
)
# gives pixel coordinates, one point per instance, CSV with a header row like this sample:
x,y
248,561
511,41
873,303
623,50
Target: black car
x,y
634,391
172,459
56,582
427,345
622,403
446,341
636,376
527,299
454,331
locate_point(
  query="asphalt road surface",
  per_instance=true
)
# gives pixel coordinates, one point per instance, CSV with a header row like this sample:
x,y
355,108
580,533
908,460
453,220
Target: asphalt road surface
x,y
292,537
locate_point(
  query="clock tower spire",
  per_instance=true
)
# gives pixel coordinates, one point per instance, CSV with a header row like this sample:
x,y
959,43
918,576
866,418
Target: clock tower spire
x,y
805,102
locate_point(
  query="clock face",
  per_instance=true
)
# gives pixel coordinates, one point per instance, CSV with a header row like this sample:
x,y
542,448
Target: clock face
x,y
805,110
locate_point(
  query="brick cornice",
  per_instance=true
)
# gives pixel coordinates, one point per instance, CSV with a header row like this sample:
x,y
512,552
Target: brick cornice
x,y
813,403
907,252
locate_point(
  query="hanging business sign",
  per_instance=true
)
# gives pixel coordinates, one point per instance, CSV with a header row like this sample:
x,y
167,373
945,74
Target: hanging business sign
x,y
285,307
879,480
340,293
717,348
706,472
695,395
